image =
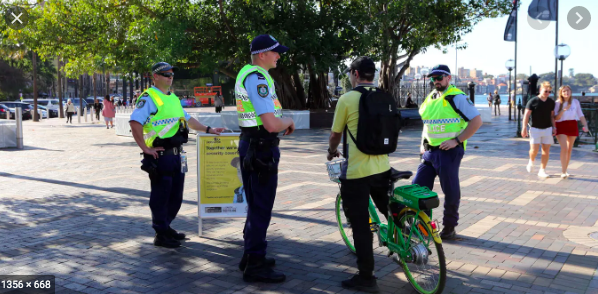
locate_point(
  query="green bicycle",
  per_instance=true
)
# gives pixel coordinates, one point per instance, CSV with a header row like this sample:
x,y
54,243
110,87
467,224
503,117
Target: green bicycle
x,y
410,235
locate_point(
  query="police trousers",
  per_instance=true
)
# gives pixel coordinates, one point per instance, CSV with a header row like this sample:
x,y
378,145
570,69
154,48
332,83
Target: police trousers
x,y
260,195
444,164
355,194
167,191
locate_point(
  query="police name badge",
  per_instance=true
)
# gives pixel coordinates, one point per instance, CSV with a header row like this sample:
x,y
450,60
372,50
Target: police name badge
x,y
140,104
262,90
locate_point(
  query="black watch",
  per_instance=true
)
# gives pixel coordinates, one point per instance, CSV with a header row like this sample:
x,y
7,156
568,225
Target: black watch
x,y
208,129
457,139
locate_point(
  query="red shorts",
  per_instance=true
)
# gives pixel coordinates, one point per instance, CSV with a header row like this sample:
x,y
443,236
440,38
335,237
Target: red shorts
x,y
567,127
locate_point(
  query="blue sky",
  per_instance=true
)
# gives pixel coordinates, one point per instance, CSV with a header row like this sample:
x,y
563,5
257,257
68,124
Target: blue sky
x,y
488,52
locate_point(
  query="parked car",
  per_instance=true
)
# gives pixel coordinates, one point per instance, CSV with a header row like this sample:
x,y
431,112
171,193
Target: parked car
x,y
53,113
4,110
25,106
51,103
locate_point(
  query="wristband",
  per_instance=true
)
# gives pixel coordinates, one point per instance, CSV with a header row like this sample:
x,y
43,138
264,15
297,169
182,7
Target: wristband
x,y
208,129
457,139
330,152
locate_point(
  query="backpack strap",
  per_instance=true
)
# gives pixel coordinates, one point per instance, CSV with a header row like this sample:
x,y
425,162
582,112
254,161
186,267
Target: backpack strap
x,y
451,101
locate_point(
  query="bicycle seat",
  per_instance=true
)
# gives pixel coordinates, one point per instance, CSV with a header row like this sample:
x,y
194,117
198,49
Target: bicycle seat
x,y
396,175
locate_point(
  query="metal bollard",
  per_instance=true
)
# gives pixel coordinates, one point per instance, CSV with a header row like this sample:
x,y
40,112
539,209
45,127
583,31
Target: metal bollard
x,y
92,112
85,113
79,114
19,119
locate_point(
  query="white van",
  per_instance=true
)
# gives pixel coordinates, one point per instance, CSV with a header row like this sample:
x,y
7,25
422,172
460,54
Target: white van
x,y
48,103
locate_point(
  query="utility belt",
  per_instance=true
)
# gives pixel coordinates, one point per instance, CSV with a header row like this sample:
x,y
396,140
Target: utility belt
x,y
429,147
248,133
149,164
263,163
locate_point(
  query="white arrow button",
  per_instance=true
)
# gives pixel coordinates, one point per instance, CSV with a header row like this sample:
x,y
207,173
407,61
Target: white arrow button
x,y
580,17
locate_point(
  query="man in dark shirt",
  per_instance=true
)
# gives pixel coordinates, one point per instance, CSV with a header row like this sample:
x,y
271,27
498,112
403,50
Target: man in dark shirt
x,y
542,129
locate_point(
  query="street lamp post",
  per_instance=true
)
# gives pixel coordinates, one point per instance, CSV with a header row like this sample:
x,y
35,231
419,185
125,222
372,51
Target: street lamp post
x,y
417,77
510,64
561,51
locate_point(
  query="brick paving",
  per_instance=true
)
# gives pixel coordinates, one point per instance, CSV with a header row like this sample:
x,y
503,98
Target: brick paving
x,y
74,204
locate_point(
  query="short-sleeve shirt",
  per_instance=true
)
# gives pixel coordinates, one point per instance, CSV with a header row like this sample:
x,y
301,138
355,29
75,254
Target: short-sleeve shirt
x,y
360,165
145,107
465,108
261,104
541,111
573,113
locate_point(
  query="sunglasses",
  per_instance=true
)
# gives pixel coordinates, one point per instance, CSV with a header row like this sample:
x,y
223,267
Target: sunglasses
x,y
437,79
166,74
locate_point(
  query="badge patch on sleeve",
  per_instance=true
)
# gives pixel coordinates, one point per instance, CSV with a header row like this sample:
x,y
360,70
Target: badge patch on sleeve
x,y
262,90
140,103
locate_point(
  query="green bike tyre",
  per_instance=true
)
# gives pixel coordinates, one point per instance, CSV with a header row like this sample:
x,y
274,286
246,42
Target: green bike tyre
x,y
344,226
436,253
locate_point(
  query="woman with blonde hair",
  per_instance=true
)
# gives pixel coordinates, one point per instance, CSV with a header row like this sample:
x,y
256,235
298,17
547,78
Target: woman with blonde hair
x,y
567,112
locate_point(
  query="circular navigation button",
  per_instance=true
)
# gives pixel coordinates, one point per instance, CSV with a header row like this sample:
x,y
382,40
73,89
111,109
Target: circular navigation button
x,y
579,18
16,17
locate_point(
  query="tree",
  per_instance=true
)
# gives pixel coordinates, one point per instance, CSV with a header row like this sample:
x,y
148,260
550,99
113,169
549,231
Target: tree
x,y
585,80
404,28
522,76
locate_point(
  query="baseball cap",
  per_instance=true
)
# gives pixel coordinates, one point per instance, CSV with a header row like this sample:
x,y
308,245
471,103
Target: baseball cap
x,y
163,66
439,70
364,65
265,43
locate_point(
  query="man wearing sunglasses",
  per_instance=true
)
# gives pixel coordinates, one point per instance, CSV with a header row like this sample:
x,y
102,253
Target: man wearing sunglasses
x,y
160,127
449,118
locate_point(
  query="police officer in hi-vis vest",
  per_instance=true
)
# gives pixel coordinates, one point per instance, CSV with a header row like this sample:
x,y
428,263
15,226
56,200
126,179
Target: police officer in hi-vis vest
x,y
160,127
449,118
260,119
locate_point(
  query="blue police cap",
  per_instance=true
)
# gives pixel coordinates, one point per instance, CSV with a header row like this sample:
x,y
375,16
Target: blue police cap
x,y
265,43
440,70
163,66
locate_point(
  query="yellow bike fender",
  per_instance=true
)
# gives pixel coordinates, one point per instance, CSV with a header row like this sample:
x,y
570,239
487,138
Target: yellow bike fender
x,y
427,220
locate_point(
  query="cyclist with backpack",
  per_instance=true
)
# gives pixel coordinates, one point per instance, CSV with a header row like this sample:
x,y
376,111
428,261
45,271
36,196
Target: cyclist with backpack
x,y
449,118
369,119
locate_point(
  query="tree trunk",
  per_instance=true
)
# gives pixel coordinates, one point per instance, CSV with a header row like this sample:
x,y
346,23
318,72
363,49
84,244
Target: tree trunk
x,y
34,63
285,90
95,96
60,93
108,83
299,89
81,80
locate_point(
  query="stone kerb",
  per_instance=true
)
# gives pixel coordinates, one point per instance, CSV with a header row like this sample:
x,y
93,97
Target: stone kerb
x,y
8,134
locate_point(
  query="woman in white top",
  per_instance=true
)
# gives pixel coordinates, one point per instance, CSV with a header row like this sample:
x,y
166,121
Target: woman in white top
x,y
567,112
70,109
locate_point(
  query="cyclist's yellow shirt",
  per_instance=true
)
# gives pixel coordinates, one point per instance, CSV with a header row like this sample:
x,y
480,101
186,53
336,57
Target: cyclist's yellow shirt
x,y
347,114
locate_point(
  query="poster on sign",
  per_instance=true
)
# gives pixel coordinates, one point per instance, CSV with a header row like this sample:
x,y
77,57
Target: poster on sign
x,y
219,183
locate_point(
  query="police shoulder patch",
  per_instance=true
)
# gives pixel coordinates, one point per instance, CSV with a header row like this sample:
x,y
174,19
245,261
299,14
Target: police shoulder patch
x,y
140,103
260,76
262,90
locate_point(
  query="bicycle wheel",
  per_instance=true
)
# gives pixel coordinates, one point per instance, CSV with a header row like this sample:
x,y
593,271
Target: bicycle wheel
x,y
343,224
425,265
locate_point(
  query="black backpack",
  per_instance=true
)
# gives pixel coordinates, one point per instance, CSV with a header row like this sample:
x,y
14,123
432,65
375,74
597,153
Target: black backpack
x,y
379,123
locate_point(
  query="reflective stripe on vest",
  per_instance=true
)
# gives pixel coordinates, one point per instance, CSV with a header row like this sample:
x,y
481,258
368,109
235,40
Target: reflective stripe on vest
x,y
441,121
165,123
245,111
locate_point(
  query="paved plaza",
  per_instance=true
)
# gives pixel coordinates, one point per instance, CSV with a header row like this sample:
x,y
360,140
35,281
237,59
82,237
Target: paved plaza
x,y
74,204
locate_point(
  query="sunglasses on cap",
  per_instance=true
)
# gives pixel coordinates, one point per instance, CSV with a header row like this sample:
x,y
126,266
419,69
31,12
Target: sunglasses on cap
x,y
166,74
437,78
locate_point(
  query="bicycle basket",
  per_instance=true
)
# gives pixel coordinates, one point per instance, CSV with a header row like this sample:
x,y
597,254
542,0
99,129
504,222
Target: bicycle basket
x,y
334,169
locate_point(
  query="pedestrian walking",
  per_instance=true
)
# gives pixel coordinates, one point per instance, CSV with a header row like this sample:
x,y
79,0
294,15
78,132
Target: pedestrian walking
x,y
497,102
567,111
219,103
97,106
260,118
490,99
450,119
160,126
109,111
542,127
365,173
70,110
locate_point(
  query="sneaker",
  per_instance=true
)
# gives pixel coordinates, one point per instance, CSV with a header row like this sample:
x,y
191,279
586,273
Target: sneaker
x,y
567,174
359,283
542,173
448,233
564,175
530,167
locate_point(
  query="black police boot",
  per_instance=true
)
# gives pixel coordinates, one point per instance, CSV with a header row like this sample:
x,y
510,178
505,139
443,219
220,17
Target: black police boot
x,y
268,261
360,283
258,271
448,233
166,241
176,235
